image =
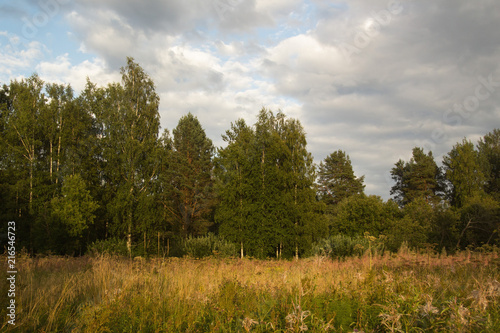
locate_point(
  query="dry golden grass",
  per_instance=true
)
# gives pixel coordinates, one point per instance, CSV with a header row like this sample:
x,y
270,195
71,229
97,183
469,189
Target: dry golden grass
x,y
404,292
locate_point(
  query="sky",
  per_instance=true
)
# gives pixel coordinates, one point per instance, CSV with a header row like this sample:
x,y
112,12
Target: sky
x,y
374,78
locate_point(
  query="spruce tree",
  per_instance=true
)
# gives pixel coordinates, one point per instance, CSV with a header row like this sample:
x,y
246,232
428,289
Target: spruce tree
x,y
235,166
300,192
489,151
190,174
266,187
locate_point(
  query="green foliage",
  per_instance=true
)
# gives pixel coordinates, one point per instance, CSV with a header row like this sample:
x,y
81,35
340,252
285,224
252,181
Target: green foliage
x,y
235,186
340,246
74,169
479,220
266,189
23,161
110,246
337,180
130,124
445,228
358,214
414,227
489,153
75,207
188,192
464,170
473,176
209,245
418,178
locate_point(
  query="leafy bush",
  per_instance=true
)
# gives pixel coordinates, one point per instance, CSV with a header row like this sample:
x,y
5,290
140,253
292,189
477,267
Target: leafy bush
x,y
209,245
112,246
341,246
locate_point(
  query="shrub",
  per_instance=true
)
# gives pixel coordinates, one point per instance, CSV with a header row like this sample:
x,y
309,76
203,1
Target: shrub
x,y
209,245
111,246
341,246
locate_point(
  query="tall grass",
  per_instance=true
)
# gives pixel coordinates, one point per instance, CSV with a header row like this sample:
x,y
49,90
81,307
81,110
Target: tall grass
x,y
404,292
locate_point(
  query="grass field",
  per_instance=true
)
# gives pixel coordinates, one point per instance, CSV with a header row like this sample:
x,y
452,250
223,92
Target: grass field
x,y
402,292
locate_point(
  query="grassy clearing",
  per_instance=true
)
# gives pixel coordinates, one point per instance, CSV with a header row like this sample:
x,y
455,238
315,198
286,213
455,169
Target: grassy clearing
x,y
392,293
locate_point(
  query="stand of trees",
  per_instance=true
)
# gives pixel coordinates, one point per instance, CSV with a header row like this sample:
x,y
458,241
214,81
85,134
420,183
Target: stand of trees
x,y
76,170
266,193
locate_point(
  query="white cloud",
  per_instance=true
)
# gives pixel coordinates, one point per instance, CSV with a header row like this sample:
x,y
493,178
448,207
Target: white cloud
x,y
62,71
277,7
225,59
18,57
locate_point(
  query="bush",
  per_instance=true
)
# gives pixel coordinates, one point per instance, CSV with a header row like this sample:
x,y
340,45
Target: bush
x,y
111,246
209,245
341,246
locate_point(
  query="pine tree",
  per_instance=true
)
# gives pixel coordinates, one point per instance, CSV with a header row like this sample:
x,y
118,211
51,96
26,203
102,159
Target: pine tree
x,y
337,180
418,178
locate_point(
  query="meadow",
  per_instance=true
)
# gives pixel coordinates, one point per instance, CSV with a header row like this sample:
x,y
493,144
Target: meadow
x,y
398,292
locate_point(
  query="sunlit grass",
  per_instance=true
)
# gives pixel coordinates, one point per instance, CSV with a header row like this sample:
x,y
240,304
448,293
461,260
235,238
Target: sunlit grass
x,y
404,292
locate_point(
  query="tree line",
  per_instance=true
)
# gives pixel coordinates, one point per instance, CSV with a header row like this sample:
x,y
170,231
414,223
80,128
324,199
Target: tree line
x,y
75,170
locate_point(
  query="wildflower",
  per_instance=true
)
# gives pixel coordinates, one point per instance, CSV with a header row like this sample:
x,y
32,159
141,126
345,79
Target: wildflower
x,y
460,313
463,314
429,309
391,320
482,295
388,277
297,317
480,299
248,323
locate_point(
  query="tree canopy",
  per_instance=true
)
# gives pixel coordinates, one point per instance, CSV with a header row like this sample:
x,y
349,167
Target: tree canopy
x,y
418,178
337,180
75,170
266,187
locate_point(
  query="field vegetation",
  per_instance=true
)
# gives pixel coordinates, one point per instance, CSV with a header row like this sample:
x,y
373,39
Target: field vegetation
x,y
394,292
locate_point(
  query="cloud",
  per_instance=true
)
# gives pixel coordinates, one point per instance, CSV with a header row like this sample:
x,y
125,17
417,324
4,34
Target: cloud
x,y
411,62
392,94
150,16
372,77
10,11
107,34
112,28
61,71
17,57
